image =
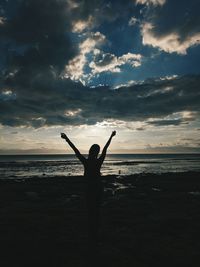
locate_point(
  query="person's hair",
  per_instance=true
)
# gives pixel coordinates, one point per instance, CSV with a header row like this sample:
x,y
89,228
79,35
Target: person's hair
x,y
94,151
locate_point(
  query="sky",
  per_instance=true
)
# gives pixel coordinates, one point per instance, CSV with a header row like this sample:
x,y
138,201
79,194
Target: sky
x,y
87,68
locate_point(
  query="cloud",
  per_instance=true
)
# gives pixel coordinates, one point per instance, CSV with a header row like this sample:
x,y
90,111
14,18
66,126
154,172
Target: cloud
x,y
88,15
109,62
56,101
37,40
2,20
75,67
37,34
101,62
151,2
39,58
173,149
82,25
165,122
35,49
140,129
171,42
175,119
7,94
132,21
174,35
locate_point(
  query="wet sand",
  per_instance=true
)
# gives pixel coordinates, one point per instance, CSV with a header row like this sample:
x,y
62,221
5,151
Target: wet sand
x,y
146,220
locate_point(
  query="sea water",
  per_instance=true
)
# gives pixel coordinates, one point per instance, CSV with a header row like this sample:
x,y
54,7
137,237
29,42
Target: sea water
x,y
27,166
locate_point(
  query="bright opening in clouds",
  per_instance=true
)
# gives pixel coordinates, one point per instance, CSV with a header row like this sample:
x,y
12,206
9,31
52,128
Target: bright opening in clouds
x,y
90,67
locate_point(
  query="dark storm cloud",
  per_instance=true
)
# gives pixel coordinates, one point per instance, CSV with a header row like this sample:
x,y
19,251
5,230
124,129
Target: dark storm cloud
x,y
35,36
35,47
184,18
63,102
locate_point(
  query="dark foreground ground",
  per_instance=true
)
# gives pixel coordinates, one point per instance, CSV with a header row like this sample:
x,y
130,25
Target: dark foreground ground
x,y
147,220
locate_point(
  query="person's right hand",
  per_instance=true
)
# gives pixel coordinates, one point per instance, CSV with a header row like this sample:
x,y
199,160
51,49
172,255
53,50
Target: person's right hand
x,y
113,133
63,135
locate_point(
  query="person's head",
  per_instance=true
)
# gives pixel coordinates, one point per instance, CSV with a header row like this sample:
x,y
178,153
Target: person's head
x,y
94,151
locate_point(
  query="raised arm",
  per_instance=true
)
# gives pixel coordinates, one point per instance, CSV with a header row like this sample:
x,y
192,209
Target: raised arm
x,y
103,154
76,151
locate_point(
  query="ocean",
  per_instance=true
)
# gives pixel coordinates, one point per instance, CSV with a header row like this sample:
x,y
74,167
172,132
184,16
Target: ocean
x,y
28,166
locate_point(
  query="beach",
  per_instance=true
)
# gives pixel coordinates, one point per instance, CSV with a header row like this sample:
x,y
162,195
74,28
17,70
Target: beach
x,y
146,220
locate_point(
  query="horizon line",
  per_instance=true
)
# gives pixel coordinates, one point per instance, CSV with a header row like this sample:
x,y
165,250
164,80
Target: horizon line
x,y
72,154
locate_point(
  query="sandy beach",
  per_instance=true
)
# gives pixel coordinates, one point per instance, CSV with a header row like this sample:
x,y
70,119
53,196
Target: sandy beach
x,y
146,220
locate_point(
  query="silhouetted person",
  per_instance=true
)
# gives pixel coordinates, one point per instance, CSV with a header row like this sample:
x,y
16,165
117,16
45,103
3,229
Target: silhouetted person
x,y
94,188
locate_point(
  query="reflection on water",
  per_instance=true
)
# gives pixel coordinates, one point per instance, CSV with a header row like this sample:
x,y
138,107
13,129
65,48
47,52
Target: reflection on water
x,y
22,166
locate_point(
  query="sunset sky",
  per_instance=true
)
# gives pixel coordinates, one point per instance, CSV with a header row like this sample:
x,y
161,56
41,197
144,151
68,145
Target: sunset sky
x,y
87,68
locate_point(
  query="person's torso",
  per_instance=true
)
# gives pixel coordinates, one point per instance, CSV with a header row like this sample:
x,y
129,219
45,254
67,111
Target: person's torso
x,y
92,168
